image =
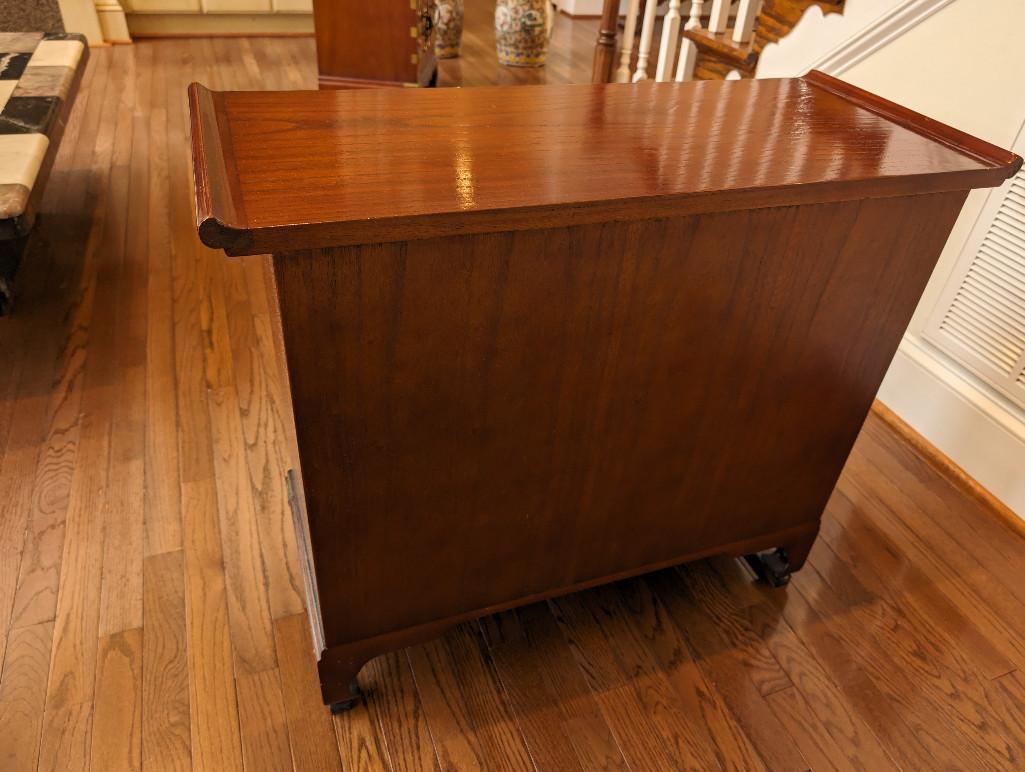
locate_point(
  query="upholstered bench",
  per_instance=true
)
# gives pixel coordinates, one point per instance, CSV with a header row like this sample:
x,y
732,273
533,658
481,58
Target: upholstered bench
x,y
39,77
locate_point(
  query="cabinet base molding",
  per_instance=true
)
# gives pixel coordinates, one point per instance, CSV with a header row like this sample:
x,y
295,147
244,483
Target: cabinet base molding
x,y
169,25
339,665
335,81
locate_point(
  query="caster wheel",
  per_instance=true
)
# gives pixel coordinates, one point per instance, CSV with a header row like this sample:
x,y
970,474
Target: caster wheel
x,y
343,706
771,567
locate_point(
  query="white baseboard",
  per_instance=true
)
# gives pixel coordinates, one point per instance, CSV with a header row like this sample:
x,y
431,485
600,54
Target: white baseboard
x,y
975,428
201,24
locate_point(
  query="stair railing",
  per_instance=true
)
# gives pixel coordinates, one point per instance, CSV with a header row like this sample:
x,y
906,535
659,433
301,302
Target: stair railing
x,y
677,53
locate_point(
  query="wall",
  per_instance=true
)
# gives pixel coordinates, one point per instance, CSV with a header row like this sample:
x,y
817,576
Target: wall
x,y
580,7
964,65
80,16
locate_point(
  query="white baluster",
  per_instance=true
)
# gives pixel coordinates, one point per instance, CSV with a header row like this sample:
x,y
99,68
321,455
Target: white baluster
x,y
647,33
695,14
688,58
670,36
719,19
747,11
623,73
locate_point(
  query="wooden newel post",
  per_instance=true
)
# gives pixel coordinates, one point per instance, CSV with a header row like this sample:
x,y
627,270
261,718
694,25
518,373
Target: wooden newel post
x,y
605,46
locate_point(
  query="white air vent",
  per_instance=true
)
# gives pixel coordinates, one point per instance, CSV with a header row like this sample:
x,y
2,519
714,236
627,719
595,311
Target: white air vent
x,y
980,317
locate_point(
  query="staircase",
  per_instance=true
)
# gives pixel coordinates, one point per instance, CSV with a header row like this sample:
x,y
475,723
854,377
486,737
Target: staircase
x,y
718,53
717,38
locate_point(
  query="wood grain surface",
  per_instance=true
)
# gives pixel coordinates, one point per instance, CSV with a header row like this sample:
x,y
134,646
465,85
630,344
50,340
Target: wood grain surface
x,y
570,665
471,160
384,43
460,402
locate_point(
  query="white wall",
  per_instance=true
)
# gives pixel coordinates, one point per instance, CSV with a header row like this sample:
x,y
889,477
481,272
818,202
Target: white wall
x,y
580,7
964,65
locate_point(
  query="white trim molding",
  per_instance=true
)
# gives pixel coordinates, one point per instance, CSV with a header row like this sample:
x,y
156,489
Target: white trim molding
x,y
972,425
80,16
836,42
112,21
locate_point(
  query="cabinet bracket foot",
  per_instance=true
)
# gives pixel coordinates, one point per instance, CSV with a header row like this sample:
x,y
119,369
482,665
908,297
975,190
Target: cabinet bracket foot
x,y
347,704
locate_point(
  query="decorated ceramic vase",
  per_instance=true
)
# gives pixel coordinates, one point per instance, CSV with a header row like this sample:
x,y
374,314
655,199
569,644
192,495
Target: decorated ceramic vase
x,y
521,31
448,28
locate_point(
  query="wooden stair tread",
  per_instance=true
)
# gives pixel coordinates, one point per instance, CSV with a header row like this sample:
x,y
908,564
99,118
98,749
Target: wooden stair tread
x,y
718,54
778,17
721,44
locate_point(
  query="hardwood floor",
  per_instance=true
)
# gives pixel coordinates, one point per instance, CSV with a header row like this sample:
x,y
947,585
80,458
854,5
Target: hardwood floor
x,y
150,602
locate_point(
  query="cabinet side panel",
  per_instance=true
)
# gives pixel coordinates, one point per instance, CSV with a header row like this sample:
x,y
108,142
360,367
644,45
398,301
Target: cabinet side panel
x,y
376,41
489,417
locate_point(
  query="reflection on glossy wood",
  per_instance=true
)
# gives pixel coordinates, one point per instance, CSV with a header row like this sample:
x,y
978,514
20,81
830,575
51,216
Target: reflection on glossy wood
x,y
478,159
946,541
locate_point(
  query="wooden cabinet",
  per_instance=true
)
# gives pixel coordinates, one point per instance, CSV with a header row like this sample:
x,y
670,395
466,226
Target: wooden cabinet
x,y
383,43
543,338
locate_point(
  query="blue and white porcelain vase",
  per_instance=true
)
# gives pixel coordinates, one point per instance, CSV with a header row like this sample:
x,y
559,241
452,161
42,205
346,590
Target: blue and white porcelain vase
x,y
521,31
448,28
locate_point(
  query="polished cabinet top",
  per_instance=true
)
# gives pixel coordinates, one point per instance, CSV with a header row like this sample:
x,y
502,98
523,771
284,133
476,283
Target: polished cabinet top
x,y
278,170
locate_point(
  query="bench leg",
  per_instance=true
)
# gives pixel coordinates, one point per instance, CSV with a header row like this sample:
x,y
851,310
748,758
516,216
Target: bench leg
x,y
11,251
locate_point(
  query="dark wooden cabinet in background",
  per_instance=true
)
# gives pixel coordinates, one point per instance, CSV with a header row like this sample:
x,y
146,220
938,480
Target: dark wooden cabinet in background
x,y
379,43
541,338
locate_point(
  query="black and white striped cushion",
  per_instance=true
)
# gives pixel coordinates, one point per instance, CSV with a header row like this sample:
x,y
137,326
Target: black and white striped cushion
x,y
36,73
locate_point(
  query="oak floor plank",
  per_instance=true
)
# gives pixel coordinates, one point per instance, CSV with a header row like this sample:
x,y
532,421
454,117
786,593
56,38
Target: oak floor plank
x,y
310,730
248,603
360,746
889,572
936,666
215,736
262,719
857,746
836,658
263,413
907,668
701,699
214,723
23,695
166,733
163,484
592,738
124,538
1011,688
67,733
971,525
725,667
625,624
808,732
536,710
888,499
715,602
117,706
399,714
622,706
466,710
